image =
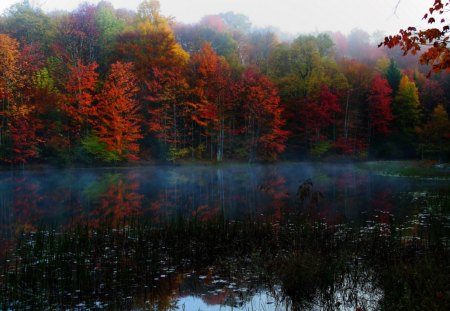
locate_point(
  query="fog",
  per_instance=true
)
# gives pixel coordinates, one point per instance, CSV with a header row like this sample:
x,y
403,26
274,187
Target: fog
x,y
289,15
161,193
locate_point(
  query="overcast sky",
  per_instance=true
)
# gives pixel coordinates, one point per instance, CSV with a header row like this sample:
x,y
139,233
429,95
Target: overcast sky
x,y
295,16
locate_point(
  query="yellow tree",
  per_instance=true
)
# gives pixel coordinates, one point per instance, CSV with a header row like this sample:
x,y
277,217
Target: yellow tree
x,y
9,79
17,124
406,108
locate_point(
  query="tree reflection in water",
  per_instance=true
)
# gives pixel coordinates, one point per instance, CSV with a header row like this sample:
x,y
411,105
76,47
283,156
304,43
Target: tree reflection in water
x,y
163,237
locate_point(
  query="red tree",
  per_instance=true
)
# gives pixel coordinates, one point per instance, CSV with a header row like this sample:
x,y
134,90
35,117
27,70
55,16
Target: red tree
x,y
318,115
379,110
213,96
79,100
23,135
262,112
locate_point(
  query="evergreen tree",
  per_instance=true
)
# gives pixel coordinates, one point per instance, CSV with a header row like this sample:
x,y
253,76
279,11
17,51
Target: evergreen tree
x,y
393,75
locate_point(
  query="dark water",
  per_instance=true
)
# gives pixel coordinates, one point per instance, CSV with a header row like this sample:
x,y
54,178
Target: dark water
x,y
238,237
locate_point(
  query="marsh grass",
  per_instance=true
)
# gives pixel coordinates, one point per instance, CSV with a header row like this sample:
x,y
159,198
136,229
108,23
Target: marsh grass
x,y
139,264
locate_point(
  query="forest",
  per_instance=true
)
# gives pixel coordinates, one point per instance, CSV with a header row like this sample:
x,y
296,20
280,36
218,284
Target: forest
x,y
101,85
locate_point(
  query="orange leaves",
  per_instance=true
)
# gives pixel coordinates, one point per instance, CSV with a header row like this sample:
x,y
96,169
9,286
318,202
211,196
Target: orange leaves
x,y
17,120
212,87
80,87
9,67
118,118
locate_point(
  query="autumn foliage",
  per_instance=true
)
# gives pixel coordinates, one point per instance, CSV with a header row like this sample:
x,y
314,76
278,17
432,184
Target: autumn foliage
x,y
100,85
80,94
380,100
118,120
434,39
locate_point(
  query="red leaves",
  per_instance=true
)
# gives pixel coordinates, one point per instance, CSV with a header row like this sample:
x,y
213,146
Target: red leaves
x,y
379,109
23,136
263,115
350,146
319,112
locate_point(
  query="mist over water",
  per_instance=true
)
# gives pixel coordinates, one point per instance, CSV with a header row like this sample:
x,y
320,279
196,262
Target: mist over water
x,y
60,197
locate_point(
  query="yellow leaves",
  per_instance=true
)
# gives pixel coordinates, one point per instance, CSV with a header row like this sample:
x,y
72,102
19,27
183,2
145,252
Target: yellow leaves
x,y
42,80
180,54
9,69
20,110
382,64
9,50
408,91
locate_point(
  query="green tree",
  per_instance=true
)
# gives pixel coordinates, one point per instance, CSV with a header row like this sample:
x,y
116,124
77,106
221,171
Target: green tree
x,y
29,24
393,75
109,25
236,21
193,37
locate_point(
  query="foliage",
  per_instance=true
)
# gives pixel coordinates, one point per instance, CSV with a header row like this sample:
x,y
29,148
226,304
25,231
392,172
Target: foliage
x,y
406,108
80,94
263,125
18,140
393,75
118,120
213,96
412,40
217,89
434,136
321,149
379,101
99,150
29,24
175,154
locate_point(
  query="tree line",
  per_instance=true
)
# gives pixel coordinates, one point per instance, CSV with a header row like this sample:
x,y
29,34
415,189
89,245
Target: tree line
x,y
106,85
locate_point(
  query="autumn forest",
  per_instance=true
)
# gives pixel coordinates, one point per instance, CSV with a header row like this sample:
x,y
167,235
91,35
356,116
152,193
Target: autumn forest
x,y
101,85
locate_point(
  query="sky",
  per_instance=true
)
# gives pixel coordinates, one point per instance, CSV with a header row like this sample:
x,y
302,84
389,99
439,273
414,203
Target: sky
x,y
294,16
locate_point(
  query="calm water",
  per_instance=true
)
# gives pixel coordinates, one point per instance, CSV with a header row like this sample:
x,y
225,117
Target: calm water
x,y
245,217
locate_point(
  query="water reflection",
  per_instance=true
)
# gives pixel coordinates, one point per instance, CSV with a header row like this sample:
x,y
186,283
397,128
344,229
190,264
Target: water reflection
x,y
237,192
288,236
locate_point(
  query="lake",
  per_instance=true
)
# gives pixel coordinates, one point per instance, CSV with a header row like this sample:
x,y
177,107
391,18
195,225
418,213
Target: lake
x,y
306,236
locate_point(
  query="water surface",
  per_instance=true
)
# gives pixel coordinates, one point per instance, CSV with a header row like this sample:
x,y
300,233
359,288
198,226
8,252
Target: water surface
x,y
205,237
